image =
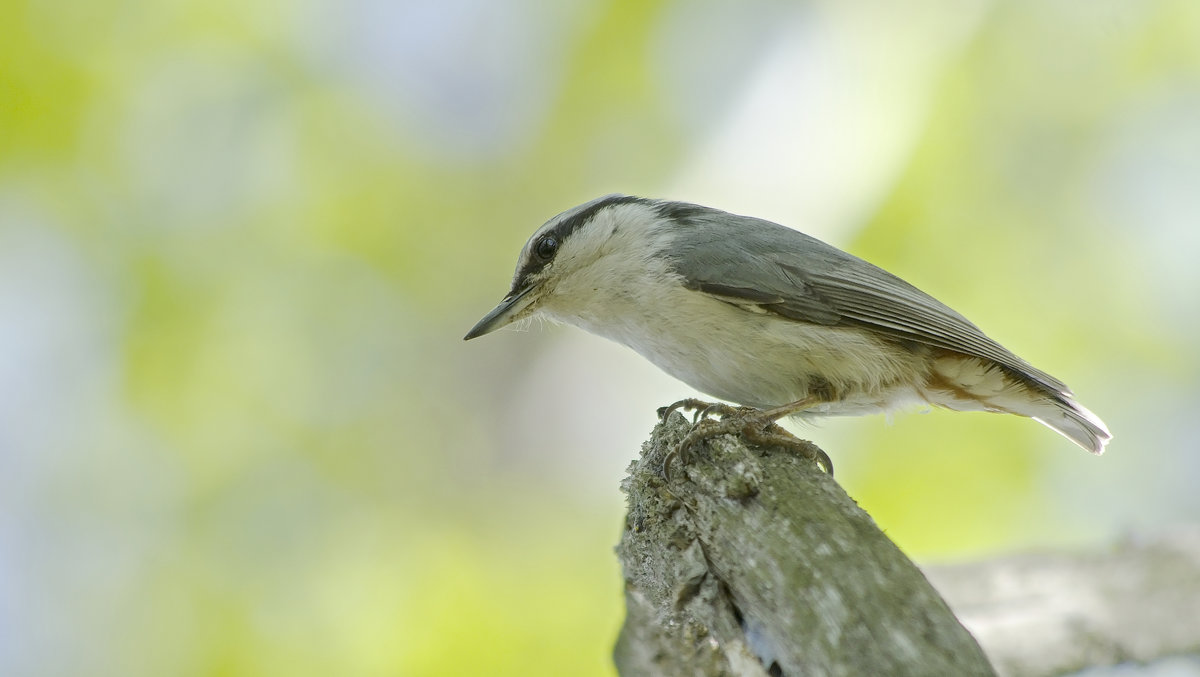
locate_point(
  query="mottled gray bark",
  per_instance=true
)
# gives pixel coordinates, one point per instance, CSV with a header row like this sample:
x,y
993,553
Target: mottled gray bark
x,y
754,562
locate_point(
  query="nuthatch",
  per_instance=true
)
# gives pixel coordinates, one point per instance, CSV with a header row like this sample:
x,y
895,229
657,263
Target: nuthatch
x,y
767,317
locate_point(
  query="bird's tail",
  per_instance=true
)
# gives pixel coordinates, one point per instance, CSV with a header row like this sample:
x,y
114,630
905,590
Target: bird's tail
x,y
1072,420
972,384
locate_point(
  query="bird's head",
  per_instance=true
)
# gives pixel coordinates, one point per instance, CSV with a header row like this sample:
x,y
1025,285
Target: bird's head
x,y
580,258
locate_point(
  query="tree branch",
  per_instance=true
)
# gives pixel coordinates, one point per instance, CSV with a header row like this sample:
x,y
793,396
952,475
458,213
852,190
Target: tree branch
x,y
757,563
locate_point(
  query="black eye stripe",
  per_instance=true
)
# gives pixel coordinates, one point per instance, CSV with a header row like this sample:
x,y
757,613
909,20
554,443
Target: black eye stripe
x,y
562,230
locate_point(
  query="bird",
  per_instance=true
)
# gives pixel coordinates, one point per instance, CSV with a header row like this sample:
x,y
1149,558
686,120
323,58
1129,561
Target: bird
x,y
771,319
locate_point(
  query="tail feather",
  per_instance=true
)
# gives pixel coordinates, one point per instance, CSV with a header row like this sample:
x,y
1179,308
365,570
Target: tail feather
x,y
1073,421
972,384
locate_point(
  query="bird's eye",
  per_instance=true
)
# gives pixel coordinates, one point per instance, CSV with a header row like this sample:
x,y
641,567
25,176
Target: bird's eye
x,y
546,248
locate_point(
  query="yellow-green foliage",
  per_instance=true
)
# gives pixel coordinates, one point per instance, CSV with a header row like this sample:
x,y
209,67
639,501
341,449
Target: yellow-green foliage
x,y
240,243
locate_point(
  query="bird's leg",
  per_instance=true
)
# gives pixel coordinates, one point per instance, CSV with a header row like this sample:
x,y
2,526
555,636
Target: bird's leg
x,y
772,415
756,425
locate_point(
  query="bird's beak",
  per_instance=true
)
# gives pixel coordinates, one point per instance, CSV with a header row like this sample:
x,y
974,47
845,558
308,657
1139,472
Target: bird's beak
x,y
505,312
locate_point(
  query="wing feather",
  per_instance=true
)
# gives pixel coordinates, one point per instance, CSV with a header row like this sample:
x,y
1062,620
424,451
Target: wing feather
x,y
748,261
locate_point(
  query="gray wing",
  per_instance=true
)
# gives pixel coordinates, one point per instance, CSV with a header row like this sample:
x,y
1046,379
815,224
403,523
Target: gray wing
x,y
751,262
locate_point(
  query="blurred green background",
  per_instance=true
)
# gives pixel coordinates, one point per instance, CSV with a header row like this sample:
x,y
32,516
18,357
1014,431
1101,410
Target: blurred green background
x,y
240,243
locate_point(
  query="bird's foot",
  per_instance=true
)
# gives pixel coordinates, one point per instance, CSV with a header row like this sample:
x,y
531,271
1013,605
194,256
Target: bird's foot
x,y
704,409
755,425
775,436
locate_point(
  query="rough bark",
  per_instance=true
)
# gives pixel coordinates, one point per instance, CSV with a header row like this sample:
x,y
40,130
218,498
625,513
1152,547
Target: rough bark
x,y
754,562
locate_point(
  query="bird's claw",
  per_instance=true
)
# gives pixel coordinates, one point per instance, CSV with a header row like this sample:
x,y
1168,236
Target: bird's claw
x,y
747,422
722,411
774,435
687,404
699,431
702,430
704,409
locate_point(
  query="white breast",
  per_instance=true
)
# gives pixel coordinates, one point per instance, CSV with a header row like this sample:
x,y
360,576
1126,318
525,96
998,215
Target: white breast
x,y
755,359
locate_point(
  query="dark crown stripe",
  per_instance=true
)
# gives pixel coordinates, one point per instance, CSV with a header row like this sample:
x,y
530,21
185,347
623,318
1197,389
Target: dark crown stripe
x,y
564,228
